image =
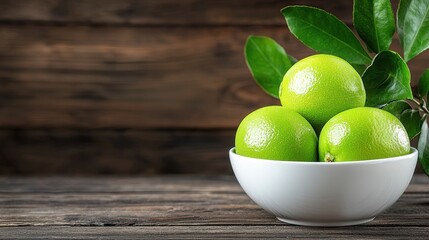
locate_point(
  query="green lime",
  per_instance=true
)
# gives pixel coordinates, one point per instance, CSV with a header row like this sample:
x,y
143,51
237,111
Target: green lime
x,y
320,86
276,133
361,134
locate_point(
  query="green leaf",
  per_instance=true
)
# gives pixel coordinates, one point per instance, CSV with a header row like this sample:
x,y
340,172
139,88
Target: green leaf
x,y
359,68
413,27
375,23
397,107
268,63
423,147
423,87
387,79
409,117
325,33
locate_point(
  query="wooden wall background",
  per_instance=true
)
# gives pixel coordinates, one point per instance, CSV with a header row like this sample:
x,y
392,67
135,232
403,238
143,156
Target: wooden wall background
x,y
130,87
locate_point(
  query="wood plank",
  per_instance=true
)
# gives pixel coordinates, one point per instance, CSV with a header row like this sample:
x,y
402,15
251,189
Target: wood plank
x,y
161,12
143,209
122,185
119,77
110,151
202,206
110,77
168,209
196,201
82,152
214,232
151,184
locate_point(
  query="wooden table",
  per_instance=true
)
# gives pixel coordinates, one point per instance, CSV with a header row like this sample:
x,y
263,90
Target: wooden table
x,y
175,207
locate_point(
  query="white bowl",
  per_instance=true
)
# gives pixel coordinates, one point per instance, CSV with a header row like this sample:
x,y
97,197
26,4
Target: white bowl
x,y
321,193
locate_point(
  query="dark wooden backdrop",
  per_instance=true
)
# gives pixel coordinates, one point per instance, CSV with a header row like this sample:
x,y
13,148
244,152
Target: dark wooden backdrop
x,y
127,86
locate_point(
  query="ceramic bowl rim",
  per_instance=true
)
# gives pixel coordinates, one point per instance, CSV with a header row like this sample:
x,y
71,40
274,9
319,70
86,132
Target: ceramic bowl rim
x,y
412,154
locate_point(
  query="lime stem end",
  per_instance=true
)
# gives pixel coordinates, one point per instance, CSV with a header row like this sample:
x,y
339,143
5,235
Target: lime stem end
x,y
329,157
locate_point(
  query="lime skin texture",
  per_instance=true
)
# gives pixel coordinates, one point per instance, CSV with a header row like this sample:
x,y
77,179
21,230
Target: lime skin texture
x,y
362,134
320,86
276,133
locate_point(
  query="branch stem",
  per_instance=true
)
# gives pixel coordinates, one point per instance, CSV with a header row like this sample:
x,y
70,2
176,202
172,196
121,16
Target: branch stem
x,y
416,101
422,104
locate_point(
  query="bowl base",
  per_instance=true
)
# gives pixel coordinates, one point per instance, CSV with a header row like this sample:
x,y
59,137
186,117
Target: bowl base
x,y
325,224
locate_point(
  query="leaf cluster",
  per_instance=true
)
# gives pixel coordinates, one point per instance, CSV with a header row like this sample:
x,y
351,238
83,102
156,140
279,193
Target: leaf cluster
x,y
385,74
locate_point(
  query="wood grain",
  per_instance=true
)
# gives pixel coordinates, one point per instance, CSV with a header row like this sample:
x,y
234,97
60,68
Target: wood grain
x,y
175,207
134,87
119,77
82,152
148,184
120,151
215,232
160,12
108,77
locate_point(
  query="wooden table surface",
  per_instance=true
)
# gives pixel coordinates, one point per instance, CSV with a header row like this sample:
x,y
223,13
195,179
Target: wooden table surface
x,y
175,207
